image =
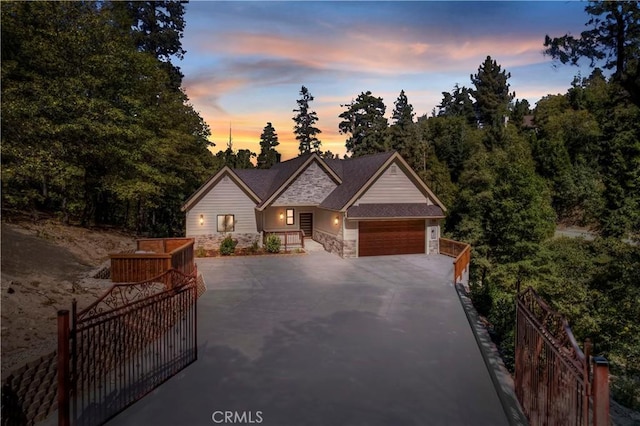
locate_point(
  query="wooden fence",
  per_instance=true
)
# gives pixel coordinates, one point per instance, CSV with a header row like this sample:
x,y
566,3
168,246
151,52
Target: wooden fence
x,y
462,254
152,257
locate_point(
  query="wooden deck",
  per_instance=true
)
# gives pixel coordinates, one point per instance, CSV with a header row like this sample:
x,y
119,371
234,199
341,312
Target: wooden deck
x,y
152,257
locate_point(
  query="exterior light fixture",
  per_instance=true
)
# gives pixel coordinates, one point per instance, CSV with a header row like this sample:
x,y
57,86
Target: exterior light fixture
x,y
281,216
201,219
336,220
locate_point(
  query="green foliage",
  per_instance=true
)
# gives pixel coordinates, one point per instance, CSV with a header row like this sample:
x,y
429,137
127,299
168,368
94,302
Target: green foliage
x,y
268,141
201,252
366,124
93,128
613,38
255,246
272,243
240,159
503,208
402,134
228,246
491,93
157,28
304,128
458,103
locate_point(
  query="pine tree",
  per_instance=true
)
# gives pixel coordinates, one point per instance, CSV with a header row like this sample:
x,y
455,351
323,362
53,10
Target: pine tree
x,y
492,93
364,120
402,135
304,128
268,141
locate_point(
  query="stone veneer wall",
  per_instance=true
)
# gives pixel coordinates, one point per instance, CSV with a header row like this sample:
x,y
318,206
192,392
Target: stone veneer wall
x,y
212,241
331,243
434,246
310,188
349,248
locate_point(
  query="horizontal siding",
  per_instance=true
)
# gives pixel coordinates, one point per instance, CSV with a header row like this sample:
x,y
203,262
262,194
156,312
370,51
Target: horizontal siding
x,y
225,197
393,188
351,230
323,220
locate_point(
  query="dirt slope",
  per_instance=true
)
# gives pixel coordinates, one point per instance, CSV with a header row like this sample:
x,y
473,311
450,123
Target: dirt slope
x,y
44,266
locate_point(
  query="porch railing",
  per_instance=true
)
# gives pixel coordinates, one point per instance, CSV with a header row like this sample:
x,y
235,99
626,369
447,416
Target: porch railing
x,y
462,254
152,257
288,238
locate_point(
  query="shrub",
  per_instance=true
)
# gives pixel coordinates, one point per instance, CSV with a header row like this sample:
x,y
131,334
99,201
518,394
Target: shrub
x,y
272,243
228,246
254,246
201,252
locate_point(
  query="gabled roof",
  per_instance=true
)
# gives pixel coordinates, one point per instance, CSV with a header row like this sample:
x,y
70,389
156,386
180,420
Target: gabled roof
x,y
353,176
360,173
356,173
288,171
206,187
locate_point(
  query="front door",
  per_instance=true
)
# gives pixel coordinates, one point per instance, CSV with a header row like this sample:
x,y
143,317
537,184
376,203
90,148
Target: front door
x,y
306,224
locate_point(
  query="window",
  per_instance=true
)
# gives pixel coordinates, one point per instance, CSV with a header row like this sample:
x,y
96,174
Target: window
x,y
290,217
226,223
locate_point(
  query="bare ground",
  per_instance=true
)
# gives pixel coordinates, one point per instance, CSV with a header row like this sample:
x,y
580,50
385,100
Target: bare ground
x,y
44,266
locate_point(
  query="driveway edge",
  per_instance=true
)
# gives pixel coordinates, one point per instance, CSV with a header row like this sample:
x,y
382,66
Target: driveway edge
x,y
502,380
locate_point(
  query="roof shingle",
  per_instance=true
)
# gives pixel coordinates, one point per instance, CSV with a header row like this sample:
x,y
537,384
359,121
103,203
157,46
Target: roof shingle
x,y
417,210
354,174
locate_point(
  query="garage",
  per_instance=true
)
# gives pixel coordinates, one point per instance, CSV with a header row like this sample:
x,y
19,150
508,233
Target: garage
x,y
378,238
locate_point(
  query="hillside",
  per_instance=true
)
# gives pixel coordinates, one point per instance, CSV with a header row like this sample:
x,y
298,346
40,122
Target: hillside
x,y
44,265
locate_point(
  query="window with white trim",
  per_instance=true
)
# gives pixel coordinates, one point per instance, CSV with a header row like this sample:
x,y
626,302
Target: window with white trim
x,y
226,223
291,217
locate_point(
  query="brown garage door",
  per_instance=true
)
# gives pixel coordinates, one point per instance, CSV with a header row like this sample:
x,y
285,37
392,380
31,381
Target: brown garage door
x,y
377,238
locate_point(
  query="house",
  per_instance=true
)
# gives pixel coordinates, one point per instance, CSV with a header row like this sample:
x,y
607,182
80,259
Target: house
x,y
365,206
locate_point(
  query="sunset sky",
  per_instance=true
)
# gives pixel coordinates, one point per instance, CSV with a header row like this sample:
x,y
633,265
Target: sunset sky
x,y
246,61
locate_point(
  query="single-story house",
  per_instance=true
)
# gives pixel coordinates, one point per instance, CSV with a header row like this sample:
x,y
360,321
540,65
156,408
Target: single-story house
x,y
366,206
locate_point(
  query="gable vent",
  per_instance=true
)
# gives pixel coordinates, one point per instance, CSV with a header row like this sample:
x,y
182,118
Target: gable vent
x,y
394,169
225,179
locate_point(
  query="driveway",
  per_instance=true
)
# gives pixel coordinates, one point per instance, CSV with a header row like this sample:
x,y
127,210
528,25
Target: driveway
x,y
319,340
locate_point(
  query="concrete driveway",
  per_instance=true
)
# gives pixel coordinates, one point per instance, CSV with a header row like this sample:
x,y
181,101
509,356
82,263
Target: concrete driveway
x,y
319,340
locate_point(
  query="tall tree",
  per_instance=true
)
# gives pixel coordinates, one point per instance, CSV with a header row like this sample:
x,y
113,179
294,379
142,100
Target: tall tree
x,y
458,103
304,128
402,135
268,141
614,38
491,93
157,27
366,124
97,134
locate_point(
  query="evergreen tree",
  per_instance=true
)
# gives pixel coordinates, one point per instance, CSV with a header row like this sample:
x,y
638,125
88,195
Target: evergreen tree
x,y
92,129
491,93
364,120
614,38
157,27
521,108
402,135
268,141
304,128
458,103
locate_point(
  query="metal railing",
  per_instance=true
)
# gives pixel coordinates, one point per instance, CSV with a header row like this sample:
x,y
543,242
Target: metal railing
x,y
462,254
553,380
128,342
288,238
